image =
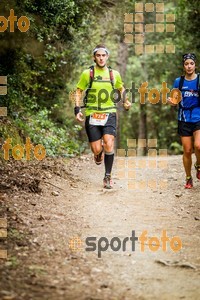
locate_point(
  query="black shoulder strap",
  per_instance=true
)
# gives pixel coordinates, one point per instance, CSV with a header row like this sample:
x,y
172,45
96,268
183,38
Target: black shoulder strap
x,y
198,83
111,76
91,76
91,68
181,82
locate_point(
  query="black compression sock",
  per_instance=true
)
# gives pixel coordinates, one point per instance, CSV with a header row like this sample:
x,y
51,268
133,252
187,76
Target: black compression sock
x,y
108,161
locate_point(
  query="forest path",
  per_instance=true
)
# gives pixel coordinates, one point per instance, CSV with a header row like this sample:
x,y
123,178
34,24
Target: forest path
x,y
45,261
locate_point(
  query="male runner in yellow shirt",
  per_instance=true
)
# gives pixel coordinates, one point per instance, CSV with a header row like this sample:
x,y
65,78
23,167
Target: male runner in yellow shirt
x,y
100,108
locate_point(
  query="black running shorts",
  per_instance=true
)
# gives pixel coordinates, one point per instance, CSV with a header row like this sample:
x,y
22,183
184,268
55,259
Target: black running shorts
x,y
187,128
95,132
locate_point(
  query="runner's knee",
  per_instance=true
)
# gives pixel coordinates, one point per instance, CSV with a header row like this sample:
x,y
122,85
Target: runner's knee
x,y
96,148
197,145
187,152
109,145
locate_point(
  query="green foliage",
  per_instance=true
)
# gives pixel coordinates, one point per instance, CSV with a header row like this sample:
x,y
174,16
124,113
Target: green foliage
x,y
57,140
44,64
8,130
157,68
175,148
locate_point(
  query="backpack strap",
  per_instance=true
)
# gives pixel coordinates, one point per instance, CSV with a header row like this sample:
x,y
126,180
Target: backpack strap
x,y
91,76
90,85
111,77
180,88
198,83
181,82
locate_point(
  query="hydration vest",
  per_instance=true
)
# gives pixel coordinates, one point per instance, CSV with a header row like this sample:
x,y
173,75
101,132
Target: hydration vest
x,y
190,108
90,85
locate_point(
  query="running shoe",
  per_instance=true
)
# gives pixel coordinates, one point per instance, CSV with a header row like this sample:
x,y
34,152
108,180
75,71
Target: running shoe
x,y
189,183
107,182
197,167
99,157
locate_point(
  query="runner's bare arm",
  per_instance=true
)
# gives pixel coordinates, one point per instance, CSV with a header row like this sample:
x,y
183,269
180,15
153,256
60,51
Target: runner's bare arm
x,y
78,96
126,102
78,113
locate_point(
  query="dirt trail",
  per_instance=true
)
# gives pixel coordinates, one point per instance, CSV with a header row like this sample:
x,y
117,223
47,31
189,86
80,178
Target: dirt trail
x,y
72,205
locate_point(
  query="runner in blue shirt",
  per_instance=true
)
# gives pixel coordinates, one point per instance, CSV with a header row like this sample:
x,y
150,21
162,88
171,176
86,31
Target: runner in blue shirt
x,y
189,116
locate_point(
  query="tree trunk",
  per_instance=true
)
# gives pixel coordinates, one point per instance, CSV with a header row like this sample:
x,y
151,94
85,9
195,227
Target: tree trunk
x,y
142,132
122,63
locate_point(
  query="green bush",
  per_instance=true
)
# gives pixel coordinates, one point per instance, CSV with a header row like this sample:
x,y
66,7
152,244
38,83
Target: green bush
x,y
57,140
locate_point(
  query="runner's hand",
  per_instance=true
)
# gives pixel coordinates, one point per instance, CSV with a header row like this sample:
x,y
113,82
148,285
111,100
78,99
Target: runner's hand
x,y
127,105
79,117
170,101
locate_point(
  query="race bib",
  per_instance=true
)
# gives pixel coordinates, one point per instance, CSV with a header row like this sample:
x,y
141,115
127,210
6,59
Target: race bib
x,y
98,119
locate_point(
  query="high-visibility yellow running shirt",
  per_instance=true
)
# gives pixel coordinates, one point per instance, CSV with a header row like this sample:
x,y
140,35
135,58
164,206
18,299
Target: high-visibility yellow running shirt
x,y
101,93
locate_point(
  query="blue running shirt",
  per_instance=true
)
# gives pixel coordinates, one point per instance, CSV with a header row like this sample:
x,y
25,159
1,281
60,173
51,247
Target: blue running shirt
x,y
190,97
